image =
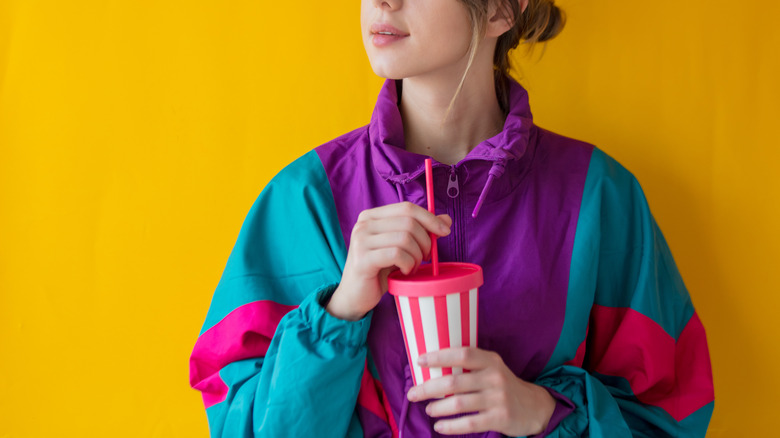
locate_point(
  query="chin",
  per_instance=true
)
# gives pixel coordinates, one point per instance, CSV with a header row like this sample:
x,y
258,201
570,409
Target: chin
x,y
388,76
389,70
388,73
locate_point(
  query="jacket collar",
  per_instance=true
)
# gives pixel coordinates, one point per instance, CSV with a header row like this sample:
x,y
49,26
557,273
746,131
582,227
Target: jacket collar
x,y
395,164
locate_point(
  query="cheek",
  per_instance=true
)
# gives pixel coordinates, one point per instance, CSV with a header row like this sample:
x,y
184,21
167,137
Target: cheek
x,y
364,24
367,10
450,35
363,20
445,47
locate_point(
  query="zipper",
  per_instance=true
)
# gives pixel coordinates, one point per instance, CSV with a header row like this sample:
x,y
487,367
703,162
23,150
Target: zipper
x,y
455,210
414,175
453,189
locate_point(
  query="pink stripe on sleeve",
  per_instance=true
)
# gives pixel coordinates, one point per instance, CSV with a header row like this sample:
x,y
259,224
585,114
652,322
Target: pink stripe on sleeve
x,y
244,333
373,397
675,376
213,390
693,368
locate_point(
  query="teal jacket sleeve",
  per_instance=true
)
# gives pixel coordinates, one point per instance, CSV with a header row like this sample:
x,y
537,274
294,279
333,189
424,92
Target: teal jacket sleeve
x,y
269,360
632,359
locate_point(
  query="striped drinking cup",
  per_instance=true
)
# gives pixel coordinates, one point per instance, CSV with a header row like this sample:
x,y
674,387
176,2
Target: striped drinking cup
x,y
437,312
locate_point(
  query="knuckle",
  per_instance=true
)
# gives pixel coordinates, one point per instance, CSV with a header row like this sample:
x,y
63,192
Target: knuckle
x,y
408,206
407,240
499,379
395,252
426,246
458,404
407,224
450,384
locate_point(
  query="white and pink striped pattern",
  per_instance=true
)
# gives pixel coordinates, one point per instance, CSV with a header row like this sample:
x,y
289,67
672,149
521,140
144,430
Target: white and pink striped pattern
x,y
435,323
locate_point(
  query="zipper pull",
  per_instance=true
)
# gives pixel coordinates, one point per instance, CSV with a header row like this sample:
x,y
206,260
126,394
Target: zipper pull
x,y
452,187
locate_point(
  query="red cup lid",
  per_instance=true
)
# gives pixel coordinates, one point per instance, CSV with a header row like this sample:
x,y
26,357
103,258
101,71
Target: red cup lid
x,y
453,277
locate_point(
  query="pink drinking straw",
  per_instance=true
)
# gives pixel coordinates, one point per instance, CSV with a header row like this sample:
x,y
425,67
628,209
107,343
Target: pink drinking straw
x,y
432,209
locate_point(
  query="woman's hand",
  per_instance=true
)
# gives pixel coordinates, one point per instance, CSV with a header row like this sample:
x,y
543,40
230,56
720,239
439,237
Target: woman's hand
x,y
394,235
500,401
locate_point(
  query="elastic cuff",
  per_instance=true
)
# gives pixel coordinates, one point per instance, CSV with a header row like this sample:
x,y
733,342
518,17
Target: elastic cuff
x,y
563,407
329,328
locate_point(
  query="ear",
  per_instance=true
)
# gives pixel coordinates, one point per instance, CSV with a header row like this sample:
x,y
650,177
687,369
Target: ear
x,y
500,16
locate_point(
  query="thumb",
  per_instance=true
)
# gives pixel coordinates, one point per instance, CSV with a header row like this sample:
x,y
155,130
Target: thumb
x,y
446,218
383,278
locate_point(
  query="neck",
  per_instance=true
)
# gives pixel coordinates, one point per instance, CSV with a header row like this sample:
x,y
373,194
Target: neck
x,y
475,116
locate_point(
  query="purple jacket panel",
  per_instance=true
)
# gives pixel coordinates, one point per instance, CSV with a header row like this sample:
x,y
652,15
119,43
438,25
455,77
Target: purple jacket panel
x,y
531,183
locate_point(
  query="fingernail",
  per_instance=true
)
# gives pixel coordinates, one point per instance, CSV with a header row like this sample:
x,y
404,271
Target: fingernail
x,y
438,427
444,229
411,395
422,360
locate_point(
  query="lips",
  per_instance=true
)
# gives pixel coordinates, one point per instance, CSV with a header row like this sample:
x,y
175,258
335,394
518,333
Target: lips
x,y
385,29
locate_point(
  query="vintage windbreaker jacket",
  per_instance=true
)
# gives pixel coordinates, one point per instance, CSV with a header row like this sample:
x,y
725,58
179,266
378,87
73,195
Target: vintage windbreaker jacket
x,y
581,293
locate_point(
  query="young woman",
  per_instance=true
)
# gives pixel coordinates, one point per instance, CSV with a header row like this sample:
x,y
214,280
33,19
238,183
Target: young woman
x,y
586,328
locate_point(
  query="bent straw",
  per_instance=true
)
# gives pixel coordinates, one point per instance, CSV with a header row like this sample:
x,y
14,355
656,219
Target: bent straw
x,y
432,209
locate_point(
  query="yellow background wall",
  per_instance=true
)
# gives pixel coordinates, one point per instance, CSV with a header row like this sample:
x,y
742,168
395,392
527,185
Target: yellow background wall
x,y
135,135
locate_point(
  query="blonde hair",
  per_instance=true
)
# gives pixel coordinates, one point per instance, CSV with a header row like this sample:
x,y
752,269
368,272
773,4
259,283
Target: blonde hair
x,y
542,20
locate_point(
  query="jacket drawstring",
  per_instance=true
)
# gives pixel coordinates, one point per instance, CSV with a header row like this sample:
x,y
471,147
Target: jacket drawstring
x,y
496,171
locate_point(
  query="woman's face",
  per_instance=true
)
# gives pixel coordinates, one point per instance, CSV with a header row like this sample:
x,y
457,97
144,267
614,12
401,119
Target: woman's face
x,y
431,36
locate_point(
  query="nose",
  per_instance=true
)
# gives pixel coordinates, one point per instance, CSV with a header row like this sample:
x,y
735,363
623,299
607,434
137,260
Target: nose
x,y
387,4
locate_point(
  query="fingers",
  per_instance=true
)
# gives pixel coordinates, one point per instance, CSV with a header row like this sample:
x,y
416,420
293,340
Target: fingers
x,y
395,235
482,422
395,256
446,218
446,385
402,226
430,222
400,231
469,358
457,404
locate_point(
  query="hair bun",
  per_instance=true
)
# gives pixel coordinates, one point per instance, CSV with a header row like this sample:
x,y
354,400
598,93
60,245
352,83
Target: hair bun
x,y
556,20
545,22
